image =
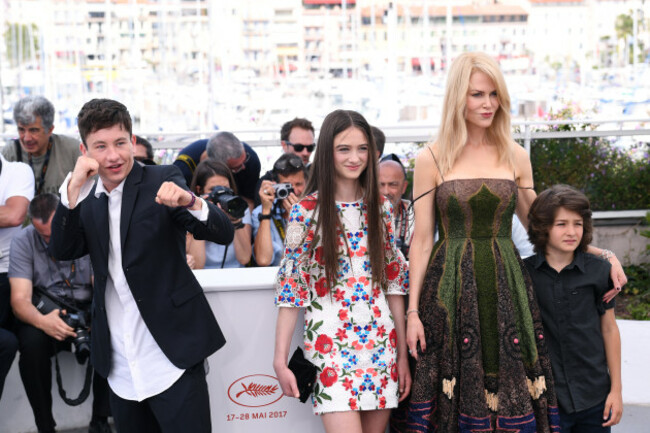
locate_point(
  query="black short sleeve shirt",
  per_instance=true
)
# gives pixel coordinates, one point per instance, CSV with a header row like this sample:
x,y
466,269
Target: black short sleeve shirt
x,y
571,303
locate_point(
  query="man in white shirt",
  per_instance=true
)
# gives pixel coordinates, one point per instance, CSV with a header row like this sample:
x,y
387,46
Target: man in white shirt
x,y
16,191
152,326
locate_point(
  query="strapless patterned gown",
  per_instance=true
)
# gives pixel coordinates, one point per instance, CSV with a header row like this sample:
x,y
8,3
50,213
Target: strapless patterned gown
x,y
486,367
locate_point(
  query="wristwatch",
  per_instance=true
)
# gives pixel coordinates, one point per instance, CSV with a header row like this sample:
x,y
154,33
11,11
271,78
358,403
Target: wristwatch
x,y
262,216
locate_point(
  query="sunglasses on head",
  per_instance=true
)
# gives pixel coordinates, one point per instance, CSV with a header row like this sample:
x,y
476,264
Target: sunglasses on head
x,y
284,164
300,147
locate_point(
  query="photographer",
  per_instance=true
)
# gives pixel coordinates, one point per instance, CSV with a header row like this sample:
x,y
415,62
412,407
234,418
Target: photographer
x,y
40,336
270,218
214,182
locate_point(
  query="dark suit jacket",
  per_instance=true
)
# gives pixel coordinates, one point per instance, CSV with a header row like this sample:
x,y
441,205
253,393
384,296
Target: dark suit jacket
x,y
169,297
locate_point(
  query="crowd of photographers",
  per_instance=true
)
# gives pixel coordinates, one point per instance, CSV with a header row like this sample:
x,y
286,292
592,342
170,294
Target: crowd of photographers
x,y
45,303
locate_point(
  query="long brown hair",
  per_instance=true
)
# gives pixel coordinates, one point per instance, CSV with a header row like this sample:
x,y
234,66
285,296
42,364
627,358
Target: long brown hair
x,y
323,179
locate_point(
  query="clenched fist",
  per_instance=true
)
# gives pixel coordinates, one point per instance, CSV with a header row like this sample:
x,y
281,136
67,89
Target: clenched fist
x,y
173,195
85,168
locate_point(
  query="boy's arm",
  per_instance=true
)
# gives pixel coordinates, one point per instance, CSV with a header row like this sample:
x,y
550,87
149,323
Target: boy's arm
x,y
612,341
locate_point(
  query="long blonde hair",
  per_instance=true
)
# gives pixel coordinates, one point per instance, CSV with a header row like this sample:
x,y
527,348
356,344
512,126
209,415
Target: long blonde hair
x,y
452,135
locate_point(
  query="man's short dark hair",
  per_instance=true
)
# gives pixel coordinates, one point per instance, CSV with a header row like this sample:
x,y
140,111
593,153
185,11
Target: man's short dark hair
x,y
144,142
295,123
43,206
288,164
380,139
544,209
99,114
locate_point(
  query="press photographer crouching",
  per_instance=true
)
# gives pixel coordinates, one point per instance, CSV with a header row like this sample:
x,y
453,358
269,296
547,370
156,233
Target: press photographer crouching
x,y
51,299
214,182
271,217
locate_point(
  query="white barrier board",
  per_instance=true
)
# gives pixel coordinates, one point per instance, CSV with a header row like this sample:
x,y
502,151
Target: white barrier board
x,y
245,396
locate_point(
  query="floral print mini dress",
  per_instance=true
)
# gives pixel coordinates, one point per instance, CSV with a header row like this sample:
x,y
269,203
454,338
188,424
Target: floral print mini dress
x,y
349,332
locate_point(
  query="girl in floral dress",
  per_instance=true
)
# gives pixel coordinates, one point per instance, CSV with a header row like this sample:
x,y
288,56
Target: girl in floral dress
x,y
342,266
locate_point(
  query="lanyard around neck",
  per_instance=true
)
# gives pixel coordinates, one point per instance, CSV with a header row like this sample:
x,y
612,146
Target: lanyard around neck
x,y
41,181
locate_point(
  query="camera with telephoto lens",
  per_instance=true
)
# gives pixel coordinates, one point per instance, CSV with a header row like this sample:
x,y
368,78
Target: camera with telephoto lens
x,y
232,204
76,318
282,190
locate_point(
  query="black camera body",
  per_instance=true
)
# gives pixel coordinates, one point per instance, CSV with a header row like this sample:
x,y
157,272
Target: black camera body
x,y
282,190
232,204
76,318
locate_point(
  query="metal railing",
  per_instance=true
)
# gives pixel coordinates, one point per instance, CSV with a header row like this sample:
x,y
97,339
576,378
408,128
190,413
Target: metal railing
x,y
527,131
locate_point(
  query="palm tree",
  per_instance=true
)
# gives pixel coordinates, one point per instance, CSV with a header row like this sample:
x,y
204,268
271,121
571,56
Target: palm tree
x,y
624,28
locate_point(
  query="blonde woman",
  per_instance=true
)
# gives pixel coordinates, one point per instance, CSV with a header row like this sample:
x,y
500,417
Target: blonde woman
x,y
472,321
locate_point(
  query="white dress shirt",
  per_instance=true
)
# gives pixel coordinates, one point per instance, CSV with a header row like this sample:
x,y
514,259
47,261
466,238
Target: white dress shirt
x,y
139,368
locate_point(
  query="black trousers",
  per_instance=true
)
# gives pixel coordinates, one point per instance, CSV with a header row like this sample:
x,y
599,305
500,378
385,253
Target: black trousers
x,y
184,407
8,341
6,316
8,348
36,350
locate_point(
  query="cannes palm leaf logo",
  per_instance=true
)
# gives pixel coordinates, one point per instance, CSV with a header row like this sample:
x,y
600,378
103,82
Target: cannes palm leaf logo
x,y
256,390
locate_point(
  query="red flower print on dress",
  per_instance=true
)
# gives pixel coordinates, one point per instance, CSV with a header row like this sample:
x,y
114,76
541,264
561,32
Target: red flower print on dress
x,y
370,344
328,377
339,295
393,338
343,315
302,294
309,203
392,270
382,402
361,252
324,344
384,382
393,372
376,311
321,287
341,334
318,256
381,331
347,384
353,404
306,278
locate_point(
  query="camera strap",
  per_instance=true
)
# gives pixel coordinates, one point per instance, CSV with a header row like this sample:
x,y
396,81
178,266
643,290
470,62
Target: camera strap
x,y
69,280
56,299
280,227
85,391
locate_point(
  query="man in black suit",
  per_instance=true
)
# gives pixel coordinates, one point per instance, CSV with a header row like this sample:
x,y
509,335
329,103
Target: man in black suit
x,y
152,326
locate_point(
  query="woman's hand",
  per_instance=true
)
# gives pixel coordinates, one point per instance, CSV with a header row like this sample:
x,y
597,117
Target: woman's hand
x,y
617,274
415,334
287,381
618,277
404,376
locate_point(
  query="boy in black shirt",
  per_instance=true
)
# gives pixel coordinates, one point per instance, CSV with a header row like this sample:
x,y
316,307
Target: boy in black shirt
x,y
580,328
